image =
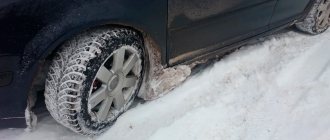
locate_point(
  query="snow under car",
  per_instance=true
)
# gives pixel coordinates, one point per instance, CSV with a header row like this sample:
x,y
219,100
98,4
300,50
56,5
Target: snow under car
x,y
86,61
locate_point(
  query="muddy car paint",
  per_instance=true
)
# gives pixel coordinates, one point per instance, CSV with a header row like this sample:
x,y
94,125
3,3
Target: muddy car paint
x,y
225,22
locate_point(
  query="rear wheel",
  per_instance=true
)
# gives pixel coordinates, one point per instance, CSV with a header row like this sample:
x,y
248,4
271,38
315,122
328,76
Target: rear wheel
x,y
94,78
318,19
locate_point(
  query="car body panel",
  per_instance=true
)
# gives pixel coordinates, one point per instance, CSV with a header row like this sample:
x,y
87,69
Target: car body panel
x,y
189,24
287,9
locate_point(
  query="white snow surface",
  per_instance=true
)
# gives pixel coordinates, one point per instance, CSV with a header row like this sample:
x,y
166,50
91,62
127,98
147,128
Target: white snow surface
x,y
277,89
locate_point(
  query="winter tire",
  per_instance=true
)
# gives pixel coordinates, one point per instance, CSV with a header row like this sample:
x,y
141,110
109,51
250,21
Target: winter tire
x,y
94,78
318,19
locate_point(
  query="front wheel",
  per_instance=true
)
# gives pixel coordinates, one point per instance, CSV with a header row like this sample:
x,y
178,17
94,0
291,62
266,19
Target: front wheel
x,y
318,19
94,78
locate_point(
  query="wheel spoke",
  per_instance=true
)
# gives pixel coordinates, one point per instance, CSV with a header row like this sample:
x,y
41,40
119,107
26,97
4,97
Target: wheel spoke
x,y
129,93
119,100
104,110
104,74
130,81
323,7
324,16
130,63
118,59
98,96
324,21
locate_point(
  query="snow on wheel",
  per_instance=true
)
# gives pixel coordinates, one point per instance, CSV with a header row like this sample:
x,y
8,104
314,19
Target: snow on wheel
x,y
94,78
318,19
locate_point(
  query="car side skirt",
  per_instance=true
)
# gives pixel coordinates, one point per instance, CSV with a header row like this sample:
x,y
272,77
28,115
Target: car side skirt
x,y
209,53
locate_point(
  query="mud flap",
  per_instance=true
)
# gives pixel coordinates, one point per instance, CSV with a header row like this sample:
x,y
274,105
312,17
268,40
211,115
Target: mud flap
x,y
30,116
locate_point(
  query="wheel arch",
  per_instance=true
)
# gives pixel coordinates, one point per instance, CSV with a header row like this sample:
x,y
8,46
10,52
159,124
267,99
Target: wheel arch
x,y
149,44
148,39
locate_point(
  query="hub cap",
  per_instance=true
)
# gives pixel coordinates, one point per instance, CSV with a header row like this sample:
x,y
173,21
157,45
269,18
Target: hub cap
x,y
115,84
323,15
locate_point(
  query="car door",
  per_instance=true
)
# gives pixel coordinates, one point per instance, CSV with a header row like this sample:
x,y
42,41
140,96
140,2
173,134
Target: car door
x,y
286,10
199,26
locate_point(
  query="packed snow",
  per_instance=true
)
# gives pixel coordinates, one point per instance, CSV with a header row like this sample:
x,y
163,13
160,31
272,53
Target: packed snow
x,y
276,89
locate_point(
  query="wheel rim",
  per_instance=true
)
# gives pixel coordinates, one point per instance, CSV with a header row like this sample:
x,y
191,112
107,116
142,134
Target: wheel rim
x,y
323,15
114,84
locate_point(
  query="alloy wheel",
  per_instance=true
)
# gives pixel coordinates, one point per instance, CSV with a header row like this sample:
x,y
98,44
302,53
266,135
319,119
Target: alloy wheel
x,y
115,84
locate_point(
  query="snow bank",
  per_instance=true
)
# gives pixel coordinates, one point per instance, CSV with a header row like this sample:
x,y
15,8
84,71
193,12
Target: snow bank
x,y
277,89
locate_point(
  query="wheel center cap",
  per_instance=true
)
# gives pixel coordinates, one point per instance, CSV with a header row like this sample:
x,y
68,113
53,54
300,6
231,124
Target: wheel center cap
x,y
113,82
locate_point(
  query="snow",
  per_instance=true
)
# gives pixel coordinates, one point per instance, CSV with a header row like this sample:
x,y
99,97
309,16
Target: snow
x,y
47,129
168,79
275,89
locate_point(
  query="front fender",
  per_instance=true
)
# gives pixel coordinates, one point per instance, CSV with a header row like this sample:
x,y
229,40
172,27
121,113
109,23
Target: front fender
x,y
146,15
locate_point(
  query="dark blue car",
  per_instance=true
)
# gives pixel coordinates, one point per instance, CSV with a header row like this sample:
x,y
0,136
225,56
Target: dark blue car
x,y
87,60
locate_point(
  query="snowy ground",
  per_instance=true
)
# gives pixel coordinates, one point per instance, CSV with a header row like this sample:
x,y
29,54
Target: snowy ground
x,y
277,89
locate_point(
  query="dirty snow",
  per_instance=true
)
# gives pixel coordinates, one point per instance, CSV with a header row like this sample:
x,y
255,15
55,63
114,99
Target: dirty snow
x,y
277,89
